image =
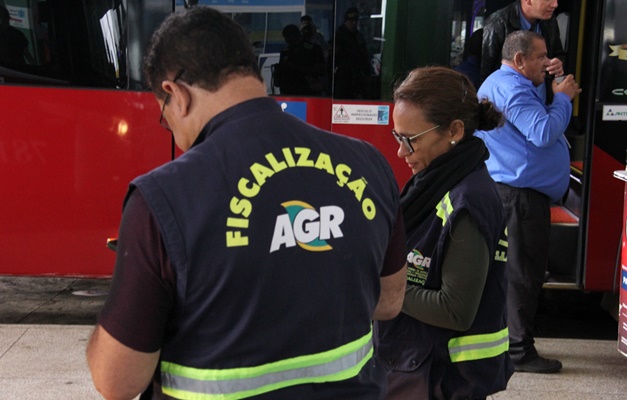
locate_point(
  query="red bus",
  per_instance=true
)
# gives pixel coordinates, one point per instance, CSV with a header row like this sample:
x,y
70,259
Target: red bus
x,y
77,123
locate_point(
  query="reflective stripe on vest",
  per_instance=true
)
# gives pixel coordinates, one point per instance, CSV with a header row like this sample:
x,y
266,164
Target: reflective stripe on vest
x,y
444,209
237,383
476,347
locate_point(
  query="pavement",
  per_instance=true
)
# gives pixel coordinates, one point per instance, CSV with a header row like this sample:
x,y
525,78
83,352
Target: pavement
x,y
45,323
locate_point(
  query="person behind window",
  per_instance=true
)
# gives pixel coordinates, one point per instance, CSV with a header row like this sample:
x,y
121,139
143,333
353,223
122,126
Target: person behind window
x,y
471,64
312,35
301,65
14,51
352,69
450,340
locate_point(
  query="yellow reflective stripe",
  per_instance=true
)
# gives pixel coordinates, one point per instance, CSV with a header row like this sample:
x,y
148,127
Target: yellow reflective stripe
x,y
237,383
444,208
477,347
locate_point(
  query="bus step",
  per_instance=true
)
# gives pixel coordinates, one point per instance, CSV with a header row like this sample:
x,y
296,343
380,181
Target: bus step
x,y
563,244
560,215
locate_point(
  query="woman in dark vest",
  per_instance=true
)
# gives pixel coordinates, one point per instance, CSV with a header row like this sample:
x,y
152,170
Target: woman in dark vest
x,y
450,340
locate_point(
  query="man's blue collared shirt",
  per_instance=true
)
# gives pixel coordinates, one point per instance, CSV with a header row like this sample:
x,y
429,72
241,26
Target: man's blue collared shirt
x,y
529,150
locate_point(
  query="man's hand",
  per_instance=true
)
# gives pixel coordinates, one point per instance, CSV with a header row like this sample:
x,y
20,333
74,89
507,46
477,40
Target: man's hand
x,y
118,372
392,295
568,86
555,68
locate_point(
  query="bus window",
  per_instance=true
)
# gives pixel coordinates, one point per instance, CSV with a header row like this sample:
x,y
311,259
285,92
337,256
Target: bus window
x,y
90,51
466,38
263,22
467,19
357,46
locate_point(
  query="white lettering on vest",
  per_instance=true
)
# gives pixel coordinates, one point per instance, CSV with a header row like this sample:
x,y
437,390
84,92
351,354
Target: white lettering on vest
x,y
310,229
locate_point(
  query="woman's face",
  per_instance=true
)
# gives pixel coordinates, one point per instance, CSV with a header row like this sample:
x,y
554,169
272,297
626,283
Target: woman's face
x,y
410,121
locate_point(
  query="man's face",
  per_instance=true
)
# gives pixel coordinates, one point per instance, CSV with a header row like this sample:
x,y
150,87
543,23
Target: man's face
x,y
351,24
535,64
539,9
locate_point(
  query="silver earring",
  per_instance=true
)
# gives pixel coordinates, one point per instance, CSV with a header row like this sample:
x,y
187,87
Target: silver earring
x,y
453,142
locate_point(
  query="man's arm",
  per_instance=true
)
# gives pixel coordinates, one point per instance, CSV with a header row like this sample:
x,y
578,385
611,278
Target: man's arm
x,y
118,371
393,280
540,125
392,295
124,348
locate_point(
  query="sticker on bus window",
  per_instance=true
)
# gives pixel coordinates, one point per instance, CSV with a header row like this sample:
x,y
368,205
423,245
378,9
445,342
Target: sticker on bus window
x,y
296,108
615,113
360,114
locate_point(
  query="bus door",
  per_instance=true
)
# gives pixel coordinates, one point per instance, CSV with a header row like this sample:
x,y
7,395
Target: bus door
x,y
586,224
607,146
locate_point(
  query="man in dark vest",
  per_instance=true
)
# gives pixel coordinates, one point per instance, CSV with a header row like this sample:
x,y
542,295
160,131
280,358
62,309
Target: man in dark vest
x,y
252,265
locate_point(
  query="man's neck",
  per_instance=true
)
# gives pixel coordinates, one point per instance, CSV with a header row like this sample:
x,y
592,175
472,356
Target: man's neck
x,y
236,90
525,12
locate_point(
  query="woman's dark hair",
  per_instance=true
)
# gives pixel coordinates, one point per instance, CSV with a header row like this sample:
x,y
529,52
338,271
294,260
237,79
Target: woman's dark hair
x,y
204,43
445,95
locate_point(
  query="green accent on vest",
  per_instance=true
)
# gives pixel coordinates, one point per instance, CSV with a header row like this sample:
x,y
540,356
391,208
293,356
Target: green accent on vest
x,y
338,364
477,347
444,209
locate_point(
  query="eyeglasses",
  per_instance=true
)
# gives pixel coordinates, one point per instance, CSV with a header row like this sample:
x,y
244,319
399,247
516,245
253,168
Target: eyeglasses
x,y
162,121
406,140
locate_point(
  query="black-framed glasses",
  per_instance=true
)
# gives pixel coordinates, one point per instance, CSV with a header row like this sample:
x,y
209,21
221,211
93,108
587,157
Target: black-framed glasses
x,y
162,121
406,140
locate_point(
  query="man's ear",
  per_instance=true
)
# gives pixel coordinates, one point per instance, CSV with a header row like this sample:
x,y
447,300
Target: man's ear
x,y
180,96
519,61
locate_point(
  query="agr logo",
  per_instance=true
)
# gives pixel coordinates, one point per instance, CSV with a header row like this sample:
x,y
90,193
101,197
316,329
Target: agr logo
x,y
305,226
416,259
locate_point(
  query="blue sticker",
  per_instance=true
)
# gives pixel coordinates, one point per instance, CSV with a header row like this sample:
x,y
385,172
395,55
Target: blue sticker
x,y
296,108
383,115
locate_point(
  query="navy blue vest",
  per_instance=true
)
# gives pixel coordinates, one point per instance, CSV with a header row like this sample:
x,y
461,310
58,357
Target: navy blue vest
x,y
277,232
405,342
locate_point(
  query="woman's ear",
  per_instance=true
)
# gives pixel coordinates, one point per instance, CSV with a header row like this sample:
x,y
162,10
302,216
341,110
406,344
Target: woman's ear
x,y
457,130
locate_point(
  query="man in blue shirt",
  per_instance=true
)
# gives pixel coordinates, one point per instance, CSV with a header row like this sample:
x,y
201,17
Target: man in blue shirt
x,y
534,15
529,160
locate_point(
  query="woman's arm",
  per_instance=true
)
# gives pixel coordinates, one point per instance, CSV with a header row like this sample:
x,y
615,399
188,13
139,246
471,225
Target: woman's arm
x,y
464,272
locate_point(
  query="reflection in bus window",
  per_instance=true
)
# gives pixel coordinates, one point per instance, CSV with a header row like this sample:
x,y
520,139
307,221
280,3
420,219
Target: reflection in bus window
x,y
380,56
357,47
468,18
301,65
351,68
90,51
14,51
264,20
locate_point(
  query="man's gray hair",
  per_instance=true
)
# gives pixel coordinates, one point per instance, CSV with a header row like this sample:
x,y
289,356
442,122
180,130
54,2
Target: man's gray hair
x,y
519,42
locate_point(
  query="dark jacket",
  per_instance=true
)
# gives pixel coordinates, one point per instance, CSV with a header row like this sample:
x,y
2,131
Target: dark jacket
x,y
447,363
252,168
505,21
